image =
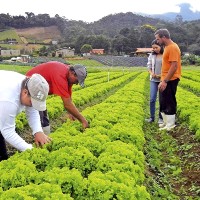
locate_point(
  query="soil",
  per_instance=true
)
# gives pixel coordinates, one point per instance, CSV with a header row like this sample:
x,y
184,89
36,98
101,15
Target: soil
x,y
185,148
189,153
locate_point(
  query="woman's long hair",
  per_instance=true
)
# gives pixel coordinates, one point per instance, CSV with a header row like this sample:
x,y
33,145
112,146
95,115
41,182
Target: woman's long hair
x,y
161,46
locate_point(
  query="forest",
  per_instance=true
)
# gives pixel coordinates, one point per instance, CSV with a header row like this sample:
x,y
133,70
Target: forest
x,y
116,34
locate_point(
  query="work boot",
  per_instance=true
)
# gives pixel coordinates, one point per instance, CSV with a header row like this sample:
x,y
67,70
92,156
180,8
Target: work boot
x,y
170,122
164,121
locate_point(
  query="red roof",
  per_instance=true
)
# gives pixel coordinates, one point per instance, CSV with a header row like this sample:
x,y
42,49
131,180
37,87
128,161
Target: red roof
x,y
143,50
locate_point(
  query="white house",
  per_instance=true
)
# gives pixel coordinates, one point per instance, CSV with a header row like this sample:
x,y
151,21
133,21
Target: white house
x,y
10,52
64,52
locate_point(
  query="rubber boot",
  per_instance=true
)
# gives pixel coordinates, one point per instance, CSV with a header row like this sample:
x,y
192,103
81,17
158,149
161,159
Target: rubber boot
x,y
164,121
170,122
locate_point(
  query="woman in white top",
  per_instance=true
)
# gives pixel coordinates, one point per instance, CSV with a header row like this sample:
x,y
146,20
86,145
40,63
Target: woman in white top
x,y
154,66
19,93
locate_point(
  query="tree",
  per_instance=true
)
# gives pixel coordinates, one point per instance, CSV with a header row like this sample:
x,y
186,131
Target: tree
x,y
86,48
194,48
79,43
101,42
125,32
146,35
178,20
120,44
29,14
43,51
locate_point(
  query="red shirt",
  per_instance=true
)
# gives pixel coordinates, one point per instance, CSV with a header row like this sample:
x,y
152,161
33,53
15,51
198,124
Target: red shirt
x,y
56,74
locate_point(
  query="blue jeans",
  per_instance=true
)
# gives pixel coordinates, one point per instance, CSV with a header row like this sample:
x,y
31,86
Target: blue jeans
x,y
153,97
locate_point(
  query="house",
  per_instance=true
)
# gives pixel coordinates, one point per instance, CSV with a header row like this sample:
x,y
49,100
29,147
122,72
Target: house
x,y
25,58
54,42
143,51
64,52
10,52
97,51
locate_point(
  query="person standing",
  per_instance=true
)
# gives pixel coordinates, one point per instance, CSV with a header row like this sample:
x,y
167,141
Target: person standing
x,y
61,78
19,93
170,77
154,65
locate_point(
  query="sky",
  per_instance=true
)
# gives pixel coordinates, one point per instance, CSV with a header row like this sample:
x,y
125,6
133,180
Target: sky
x,y
91,10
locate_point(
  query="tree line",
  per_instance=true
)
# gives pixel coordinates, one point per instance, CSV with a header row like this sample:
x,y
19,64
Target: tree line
x,y
117,34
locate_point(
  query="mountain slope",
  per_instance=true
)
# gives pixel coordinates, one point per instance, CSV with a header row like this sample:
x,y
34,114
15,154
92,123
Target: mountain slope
x,y
185,13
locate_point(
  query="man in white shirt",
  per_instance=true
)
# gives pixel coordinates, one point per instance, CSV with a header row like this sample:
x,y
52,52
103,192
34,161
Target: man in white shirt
x,y
20,93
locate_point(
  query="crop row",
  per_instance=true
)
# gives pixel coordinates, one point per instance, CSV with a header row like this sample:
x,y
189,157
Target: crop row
x,y
80,97
190,85
192,75
189,109
106,161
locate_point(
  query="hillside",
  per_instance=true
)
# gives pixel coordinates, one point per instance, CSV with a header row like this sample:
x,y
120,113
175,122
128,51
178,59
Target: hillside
x,y
29,39
122,32
39,34
112,24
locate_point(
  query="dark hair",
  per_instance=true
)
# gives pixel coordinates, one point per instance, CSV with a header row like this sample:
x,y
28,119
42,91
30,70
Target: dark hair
x,y
24,84
163,33
157,43
71,68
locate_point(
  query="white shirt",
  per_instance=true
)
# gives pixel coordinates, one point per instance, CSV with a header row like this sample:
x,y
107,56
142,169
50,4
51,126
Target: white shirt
x,y
10,107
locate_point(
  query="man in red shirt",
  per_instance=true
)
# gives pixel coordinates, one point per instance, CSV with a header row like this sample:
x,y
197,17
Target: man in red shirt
x,y
61,78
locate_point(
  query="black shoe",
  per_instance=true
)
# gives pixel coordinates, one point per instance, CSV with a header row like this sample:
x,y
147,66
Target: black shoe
x,y
150,120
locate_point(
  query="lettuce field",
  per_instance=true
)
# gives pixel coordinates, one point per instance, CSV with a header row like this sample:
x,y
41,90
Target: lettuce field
x,y
120,156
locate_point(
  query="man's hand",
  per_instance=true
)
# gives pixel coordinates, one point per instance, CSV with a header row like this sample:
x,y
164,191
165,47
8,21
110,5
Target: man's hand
x,y
71,117
41,139
85,124
162,86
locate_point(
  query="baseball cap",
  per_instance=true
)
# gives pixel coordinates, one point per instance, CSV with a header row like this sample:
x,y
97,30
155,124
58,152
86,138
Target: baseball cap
x,y
38,89
81,73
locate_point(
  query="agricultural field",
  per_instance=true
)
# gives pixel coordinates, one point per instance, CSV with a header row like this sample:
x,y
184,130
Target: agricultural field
x,y
120,156
34,36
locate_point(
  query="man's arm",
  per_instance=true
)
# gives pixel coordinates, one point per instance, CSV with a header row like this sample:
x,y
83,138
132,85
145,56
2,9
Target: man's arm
x,y
35,124
71,108
8,113
170,73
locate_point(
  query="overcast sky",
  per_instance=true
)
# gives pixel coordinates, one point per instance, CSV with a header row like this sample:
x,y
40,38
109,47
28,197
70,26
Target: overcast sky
x,y
92,10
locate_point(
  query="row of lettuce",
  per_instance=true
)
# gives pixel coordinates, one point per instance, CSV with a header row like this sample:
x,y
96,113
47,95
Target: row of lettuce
x,y
81,96
105,161
188,98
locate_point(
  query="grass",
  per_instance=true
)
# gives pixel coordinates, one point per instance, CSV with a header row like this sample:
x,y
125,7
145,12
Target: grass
x,y
10,34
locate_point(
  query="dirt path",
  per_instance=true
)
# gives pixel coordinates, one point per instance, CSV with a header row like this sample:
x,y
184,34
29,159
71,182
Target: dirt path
x,y
172,162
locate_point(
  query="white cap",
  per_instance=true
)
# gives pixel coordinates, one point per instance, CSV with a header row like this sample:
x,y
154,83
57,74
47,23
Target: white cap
x,y
38,89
